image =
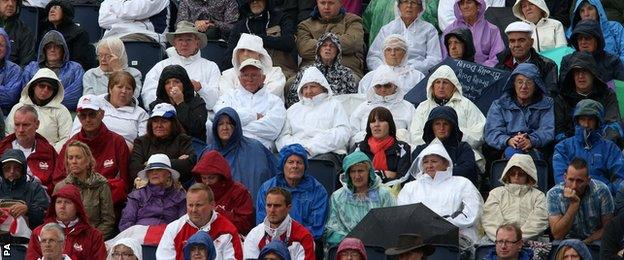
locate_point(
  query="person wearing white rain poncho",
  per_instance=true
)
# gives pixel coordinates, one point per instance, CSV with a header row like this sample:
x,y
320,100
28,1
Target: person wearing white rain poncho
x,y
394,56
385,92
317,122
454,198
444,89
250,46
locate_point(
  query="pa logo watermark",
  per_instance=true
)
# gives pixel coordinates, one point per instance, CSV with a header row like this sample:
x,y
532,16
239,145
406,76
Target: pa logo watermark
x,y
6,250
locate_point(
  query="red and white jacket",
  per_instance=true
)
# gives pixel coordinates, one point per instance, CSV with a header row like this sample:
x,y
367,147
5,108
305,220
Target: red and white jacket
x,y
223,233
299,240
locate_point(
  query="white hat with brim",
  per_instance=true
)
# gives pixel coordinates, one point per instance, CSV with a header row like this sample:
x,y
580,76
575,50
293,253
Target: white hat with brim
x,y
158,161
186,27
519,27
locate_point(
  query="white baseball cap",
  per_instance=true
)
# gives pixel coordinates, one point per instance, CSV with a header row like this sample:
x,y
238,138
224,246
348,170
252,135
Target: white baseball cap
x,y
165,110
519,27
89,102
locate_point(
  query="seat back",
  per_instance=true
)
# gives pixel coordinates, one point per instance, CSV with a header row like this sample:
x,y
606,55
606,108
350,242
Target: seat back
x,y
445,252
86,16
501,17
482,250
143,55
215,51
149,252
323,171
372,252
30,16
499,165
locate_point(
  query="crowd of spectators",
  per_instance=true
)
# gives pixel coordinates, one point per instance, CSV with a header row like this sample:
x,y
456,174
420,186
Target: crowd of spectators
x,y
218,158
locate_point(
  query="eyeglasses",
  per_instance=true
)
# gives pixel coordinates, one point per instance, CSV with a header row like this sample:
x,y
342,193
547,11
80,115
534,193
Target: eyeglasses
x,y
49,241
505,242
84,114
122,255
528,83
411,2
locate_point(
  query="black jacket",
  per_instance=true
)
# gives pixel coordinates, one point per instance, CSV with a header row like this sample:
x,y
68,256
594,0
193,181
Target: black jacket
x,y
77,39
296,10
609,65
566,101
611,242
560,10
547,68
23,45
464,163
279,46
29,191
464,35
398,157
191,113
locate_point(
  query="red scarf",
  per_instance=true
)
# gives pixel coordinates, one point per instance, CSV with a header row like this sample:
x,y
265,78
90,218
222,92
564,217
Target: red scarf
x,y
378,147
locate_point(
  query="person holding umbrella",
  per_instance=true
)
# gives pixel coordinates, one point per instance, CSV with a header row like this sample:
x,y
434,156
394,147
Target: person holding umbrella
x,y
411,247
454,198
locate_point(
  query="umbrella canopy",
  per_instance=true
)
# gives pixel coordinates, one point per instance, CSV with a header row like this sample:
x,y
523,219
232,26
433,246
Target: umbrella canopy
x,y
382,226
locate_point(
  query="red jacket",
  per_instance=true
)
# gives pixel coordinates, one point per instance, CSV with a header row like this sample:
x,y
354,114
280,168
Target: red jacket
x,y
112,157
232,199
81,241
41,162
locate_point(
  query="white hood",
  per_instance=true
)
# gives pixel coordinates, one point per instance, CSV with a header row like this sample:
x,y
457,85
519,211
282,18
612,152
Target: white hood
x,y
313,74
541,4
254,43
435,147
444,72
44,73
384,74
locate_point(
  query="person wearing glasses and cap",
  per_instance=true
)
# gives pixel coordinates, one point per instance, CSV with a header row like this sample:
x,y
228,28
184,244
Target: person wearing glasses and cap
x,y
109,149
161,201
45,92
411,247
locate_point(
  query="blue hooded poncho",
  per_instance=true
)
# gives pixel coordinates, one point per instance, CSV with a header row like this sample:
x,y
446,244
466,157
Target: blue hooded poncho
x,y
276,246
10,78
604,158
200,238
251,162
309,197
613,31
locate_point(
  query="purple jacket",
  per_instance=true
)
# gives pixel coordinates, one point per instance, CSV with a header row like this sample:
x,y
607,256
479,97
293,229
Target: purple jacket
x,y
486,36
153,205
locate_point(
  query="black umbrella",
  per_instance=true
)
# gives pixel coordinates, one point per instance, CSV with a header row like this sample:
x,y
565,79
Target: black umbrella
x,y
382,226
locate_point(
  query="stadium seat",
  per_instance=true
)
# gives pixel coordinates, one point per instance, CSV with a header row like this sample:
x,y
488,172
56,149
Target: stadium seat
x,y
149,252
143,55
325,172
30,16
501,17
215,51
482,250
542,174
445,252
372,252
86,16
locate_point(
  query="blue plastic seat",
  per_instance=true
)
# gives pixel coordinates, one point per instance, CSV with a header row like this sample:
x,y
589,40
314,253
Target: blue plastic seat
x,y
86,16
325,172
143,55
445,252
215,51
149,252
30,16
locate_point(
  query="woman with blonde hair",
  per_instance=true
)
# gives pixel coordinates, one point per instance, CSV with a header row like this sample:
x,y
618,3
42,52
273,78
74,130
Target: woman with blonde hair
x,y
94,190
161,201
111,54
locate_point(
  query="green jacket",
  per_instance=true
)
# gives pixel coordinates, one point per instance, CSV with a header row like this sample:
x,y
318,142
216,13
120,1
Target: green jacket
x,y
346,208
